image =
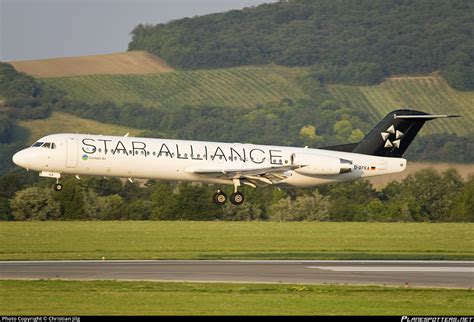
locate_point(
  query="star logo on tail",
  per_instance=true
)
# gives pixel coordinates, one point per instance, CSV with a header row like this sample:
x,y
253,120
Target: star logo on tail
x,y
392,137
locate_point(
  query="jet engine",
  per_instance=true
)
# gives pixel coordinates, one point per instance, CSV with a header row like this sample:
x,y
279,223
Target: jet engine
x,y
320,165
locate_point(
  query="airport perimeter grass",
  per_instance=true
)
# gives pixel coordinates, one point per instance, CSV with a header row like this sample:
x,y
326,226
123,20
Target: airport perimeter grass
x,y
234,240
54,297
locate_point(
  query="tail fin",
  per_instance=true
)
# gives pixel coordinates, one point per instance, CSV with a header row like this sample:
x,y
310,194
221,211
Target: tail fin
x,y
392,136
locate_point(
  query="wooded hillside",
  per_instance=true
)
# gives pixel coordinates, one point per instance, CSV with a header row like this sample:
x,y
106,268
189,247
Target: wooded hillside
x,y
393,37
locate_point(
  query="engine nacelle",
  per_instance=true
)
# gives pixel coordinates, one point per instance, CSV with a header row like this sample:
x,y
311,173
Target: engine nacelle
x,y
320,165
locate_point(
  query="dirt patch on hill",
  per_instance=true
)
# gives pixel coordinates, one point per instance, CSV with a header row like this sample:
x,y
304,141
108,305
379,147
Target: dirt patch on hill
x,y
133,62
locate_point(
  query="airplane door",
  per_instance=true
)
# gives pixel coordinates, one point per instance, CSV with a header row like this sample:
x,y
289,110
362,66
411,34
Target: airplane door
x,y
72,149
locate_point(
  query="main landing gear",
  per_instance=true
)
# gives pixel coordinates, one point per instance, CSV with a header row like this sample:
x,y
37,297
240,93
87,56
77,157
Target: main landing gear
x,y
220,197
236,198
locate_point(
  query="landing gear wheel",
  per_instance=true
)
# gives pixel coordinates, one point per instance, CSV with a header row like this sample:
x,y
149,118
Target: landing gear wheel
x,y
220,197
58,187
237,198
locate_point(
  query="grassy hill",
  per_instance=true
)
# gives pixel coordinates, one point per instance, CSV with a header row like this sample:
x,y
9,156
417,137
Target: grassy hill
x,y
60,122
427,93
236,87
133,62
252,86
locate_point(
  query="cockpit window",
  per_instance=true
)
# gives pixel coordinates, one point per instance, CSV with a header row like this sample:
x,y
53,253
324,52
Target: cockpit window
x,y
37,144
47,145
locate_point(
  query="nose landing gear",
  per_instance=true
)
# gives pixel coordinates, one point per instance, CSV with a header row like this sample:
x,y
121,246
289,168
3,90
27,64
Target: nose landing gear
x,y
56,175
58,186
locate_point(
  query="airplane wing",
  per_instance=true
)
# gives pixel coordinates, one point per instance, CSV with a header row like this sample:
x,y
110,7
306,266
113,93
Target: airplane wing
x,y
250,176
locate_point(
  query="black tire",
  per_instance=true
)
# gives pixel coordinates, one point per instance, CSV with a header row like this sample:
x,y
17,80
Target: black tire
x,y
220,198
237,198
58,187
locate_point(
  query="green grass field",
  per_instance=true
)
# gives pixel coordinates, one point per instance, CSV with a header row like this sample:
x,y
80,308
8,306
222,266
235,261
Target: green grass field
x,y
155,298
60,122
234,240
234,87
429,94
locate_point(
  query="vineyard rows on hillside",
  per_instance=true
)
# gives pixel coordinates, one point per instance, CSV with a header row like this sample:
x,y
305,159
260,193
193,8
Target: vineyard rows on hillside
x,y
430,94
235,87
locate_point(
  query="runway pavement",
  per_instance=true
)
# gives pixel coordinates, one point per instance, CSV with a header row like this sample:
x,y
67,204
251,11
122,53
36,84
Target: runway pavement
x,y
455,274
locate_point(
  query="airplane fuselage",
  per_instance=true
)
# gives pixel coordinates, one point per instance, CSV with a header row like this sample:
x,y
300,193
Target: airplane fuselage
x,y
177,160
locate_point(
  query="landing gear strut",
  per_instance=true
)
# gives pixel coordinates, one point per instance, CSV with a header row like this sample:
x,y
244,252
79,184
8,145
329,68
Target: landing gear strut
x,y
56,175
237,198
58,186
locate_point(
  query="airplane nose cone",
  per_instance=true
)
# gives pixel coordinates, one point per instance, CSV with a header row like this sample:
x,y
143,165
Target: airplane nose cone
x,y
19,159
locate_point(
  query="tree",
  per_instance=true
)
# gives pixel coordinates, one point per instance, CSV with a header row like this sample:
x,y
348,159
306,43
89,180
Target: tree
x,y
282,210
354,41
72,200
137,209
425,195
35,204
247,211
312,207
348,200
308,133
459,70
6,129
193,203
164,201
5,212
463,207
109,207
356,136
343,129
362,73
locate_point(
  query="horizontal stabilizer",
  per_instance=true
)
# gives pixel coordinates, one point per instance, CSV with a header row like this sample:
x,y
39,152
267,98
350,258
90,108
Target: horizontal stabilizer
x,y
423,117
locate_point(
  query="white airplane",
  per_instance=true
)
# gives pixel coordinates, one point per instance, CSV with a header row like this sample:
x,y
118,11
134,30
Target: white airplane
x,y
237,164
